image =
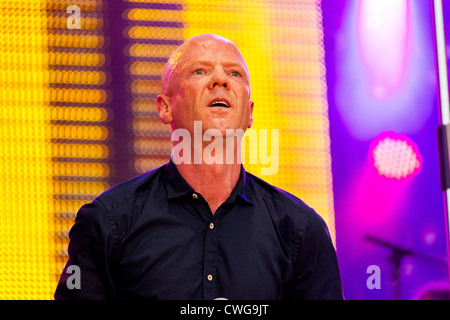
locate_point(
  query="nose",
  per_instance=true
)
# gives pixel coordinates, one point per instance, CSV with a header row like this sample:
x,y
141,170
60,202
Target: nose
x,y
219,79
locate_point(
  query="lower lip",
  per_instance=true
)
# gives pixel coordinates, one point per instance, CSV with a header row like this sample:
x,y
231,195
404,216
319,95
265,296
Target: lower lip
x,y
219,109
219,106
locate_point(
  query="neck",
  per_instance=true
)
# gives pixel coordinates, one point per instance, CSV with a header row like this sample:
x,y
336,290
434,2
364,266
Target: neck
x,y
214,182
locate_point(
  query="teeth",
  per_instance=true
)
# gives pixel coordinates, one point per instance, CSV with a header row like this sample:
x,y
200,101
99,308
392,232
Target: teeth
x,y
215,103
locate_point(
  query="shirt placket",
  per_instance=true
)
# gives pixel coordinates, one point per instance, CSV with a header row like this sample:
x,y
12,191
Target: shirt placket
x,y
210,252
210,261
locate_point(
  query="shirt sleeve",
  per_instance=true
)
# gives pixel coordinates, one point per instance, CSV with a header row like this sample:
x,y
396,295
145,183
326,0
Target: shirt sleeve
x,y
87,274
316,271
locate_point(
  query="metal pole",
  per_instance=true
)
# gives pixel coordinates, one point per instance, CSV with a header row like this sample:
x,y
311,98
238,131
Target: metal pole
x,y
444,127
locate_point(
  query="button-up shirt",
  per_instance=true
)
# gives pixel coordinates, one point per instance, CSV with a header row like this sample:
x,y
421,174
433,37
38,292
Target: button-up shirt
x,y
155,237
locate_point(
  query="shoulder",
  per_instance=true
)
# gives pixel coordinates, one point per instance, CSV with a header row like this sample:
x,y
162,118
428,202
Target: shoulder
x,y
284,205
127,191
274,194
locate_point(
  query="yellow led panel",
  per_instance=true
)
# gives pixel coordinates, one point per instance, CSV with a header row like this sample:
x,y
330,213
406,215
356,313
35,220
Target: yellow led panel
x,y
78,115
153,35
141,32
282,43
138,14
53,137
27,229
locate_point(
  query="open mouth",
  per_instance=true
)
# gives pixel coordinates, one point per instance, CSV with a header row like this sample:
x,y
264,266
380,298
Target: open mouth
x,y
219,103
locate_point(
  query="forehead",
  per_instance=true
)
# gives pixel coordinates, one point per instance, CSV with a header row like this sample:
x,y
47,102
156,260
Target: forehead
x,y
211,50
203,48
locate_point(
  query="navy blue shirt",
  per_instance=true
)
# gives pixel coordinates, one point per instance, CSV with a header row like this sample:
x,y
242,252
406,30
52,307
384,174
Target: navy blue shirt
x,y
154,237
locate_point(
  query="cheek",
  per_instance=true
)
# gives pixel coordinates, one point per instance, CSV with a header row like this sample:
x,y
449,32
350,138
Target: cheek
x,y
242,91
191,91
243,99
183,106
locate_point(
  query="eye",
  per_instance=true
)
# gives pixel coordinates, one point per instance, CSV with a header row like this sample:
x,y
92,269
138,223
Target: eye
x,y
235,74
199,71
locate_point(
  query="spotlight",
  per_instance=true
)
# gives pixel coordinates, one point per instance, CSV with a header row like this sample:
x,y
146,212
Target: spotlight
x,y
395,156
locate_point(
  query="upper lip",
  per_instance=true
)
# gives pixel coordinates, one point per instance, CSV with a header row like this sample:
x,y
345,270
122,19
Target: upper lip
x,y
220,99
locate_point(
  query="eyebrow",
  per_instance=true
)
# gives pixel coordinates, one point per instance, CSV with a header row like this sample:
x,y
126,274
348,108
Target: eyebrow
x,y
208,63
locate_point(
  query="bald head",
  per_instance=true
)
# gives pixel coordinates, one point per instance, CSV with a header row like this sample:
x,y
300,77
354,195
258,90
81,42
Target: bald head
x,y
188,51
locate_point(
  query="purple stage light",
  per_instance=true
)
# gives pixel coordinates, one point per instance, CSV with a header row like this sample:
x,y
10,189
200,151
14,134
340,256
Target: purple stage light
x,y
383,38
383,79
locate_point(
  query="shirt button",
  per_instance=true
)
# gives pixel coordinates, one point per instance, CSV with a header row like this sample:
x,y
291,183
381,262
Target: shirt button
x,y
211,225
195,196
209,277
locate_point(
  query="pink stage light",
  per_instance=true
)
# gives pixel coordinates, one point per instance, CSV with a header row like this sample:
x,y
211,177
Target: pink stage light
x,y
395,156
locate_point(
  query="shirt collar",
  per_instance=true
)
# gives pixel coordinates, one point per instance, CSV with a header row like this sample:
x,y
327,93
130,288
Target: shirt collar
x,y
177,186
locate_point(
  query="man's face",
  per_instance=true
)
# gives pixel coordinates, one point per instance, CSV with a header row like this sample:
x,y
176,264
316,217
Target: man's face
x,y
209,83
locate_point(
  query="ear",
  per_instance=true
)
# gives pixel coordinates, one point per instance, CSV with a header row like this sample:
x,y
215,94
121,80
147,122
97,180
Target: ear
x,y
164,108
250,120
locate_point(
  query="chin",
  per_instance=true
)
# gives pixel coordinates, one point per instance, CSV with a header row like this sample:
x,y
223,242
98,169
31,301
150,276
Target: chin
x,y
222,125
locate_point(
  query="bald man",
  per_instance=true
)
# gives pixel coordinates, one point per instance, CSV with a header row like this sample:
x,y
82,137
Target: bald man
x,y
194,228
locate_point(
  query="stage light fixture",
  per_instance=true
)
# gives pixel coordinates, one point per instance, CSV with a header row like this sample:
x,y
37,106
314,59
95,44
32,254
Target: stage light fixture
x,y
395,156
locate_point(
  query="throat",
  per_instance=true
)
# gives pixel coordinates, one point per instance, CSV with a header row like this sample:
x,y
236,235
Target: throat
x,y
214,182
